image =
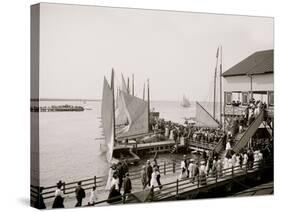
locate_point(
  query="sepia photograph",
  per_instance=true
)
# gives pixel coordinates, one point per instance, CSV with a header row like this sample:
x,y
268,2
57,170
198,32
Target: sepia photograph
x,y
143,106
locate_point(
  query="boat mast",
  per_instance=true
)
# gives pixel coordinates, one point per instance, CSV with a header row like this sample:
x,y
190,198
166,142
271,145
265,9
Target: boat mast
x,y
128,85
143,92
215,82
133,86
221,88
113,100
148,105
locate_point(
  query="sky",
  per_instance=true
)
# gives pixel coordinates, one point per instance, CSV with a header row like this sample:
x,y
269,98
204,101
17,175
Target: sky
x,y
79,45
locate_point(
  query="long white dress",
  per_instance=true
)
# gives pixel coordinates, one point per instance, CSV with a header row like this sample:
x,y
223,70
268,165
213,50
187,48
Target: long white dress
x,y
228,146
245,160
183,174
191,170
115,182
153,181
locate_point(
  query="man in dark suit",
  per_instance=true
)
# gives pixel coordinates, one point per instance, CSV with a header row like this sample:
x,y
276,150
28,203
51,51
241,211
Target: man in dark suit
x,y
148,172
80,194
127,184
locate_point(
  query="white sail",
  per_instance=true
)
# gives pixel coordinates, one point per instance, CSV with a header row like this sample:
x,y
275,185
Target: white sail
x,y
136,110
203,118
107,118
185,102
121,117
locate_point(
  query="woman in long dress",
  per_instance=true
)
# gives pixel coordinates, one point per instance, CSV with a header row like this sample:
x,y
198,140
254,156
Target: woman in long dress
x,y
153,181
225,165
114,194
58,202
245,160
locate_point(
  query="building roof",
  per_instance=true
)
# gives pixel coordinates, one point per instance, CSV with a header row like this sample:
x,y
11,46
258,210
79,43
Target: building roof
x,y
258,63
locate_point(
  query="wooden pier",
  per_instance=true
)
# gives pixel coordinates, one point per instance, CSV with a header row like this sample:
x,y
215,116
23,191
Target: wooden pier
x,y
173,188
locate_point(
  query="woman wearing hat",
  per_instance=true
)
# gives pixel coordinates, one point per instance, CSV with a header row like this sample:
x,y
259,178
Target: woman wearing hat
x,y
58,202
153,182
191,169
184,171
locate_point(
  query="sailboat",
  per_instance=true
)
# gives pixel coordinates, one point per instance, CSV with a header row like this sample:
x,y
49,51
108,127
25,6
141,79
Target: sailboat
x,y
204,119
136,113
185,102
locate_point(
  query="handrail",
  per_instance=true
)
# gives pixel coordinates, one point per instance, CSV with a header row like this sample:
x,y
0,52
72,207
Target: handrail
x,y
248,133
180,185
164,167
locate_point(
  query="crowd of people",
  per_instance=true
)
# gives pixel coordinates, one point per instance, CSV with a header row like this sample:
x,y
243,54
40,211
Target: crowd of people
x,y
182,133
208,164
118,180
195,169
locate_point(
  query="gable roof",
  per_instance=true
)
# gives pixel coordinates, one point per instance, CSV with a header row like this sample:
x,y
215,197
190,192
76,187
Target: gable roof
x,y
258,63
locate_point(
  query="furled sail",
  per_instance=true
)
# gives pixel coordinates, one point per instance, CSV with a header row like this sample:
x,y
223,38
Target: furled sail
x,y
136,110
107,118
185,102
203,118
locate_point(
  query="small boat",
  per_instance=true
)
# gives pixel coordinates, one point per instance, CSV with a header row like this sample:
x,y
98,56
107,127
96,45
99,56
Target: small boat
x,y
122,154
185,102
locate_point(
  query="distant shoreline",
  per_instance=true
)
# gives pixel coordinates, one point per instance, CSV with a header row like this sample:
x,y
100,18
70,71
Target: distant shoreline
x,y
66,100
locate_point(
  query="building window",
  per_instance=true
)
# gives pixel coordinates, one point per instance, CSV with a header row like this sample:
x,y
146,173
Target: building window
x,y
228,98
244,98
270,98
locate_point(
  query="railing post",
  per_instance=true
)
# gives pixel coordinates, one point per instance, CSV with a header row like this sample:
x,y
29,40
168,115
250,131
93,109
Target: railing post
x,y
232,171
124,198
63,187
177,191
152,193
198,181
164,167
216,177
174,167
95,181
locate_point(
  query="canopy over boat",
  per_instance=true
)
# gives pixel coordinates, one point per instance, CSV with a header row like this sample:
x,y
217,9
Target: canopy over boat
x,y
203,118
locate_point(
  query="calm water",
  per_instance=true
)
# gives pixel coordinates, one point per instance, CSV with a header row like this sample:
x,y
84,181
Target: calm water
x,y
68,146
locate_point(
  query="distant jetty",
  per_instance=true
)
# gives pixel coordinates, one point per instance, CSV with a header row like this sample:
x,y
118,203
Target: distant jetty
x,y
58,108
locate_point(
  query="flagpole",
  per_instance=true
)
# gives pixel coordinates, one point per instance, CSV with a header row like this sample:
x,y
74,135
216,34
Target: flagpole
x,y
215,82
221,88
148,104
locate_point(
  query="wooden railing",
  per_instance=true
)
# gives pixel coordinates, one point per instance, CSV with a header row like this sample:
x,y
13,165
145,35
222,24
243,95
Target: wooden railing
x,y
177,187
99,182
203,144
180,186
